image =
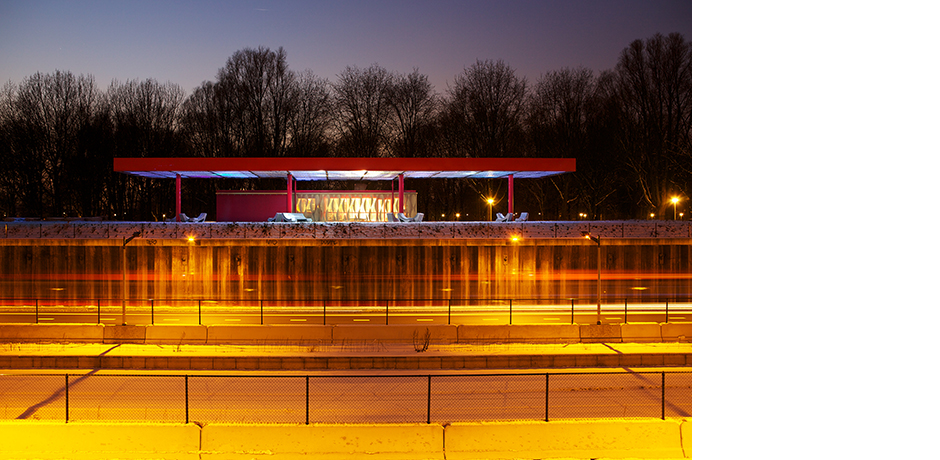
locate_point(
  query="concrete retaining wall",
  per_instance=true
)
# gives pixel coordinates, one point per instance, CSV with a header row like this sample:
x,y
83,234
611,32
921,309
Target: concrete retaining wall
x,y
346,230
648,438
237,272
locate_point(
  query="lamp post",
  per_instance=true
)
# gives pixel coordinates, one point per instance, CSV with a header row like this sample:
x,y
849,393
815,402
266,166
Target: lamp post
x,y
489,201
597,240
124,277
675,201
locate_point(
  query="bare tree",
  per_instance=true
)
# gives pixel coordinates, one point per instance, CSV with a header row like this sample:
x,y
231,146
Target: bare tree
x,y
47,114
10,175
146,117
362,111
651,99
558,120
262,92
413,105
209,123
486,107
310,126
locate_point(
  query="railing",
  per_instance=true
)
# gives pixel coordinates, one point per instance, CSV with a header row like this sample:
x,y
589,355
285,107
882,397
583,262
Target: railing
x,y
297,399
324,311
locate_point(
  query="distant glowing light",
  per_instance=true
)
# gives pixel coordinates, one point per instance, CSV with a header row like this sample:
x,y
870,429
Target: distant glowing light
x,y
191,238
639,288
57,289
514,238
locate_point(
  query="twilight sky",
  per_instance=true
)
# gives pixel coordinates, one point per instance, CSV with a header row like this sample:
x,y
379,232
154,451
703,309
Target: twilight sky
x,y
186,42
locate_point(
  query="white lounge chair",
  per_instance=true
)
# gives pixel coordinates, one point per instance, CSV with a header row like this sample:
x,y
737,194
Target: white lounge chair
x,y
199,218
390,217
501,218
419,217
401,217
523,216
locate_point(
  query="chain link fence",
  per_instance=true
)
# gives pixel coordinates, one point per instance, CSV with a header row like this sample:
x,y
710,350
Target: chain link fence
x,y
345,399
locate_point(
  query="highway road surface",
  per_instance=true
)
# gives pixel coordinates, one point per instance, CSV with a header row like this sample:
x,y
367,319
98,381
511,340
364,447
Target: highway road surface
x,y
352,397
206,313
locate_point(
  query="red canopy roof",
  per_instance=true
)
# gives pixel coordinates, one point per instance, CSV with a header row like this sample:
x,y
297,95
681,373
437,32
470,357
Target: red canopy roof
x,y
305,168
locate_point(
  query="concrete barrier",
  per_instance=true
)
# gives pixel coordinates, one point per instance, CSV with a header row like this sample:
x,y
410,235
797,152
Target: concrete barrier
x,y
60,333
677,332
125,334
649,438
404,441
566,439
685,429
641,332
173,335
596,333
41,439
269,334
563,333
440,333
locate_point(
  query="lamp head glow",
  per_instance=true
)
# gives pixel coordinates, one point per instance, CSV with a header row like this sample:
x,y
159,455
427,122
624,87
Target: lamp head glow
x,y
489,201
675,200
514,238
191,238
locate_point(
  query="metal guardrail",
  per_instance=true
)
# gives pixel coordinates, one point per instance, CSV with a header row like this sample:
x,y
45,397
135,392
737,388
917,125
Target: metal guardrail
x,y
305,399
325,308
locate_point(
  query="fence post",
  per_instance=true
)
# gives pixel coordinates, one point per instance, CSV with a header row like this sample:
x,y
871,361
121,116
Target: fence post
x,y
572,311
429,399
667,311
262,311
186,381
99,311
546,397
624,311
308,400
448,311
200,312
324,312
386,312
66,398
151,312
664,397
37,311
510,311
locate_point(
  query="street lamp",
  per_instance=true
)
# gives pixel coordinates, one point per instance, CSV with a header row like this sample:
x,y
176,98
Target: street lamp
x,y
489,201
675,201
596,239
124,277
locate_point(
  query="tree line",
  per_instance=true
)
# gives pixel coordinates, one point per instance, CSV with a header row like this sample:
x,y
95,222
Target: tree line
x,y
629,128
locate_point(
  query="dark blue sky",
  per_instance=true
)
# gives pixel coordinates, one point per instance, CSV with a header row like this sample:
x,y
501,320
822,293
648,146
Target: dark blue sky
x,y
186,42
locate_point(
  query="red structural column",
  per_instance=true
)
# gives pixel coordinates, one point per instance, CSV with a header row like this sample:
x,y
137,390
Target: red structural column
x,y
179,201
510,195
290,192
401,193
